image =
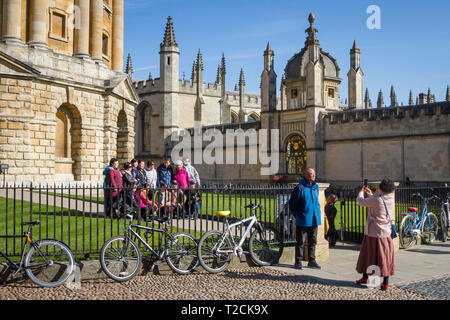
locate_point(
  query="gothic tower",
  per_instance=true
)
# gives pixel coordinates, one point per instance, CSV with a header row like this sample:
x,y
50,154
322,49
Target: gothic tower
x,y
169,68
355,79
268,82
314,68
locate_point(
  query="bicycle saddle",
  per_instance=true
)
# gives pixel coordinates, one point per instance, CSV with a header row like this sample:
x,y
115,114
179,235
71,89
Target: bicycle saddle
x,y
161,219
412,209
223,213
32,223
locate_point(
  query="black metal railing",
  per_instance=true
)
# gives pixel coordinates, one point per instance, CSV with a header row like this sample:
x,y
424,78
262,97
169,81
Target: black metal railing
x,y
351,218
84,216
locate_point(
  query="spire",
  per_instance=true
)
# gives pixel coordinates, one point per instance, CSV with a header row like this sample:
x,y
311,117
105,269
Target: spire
x,y
355,47
380,101
222,64
219,75
268,49
447,96
236,87
429,96
150,76
241,79
169,35
194,72
199,62
393,97
129,66
367,99
311,31
411,101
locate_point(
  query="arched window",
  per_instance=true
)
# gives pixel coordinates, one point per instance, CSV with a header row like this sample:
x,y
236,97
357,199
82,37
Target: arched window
x,y
295,154
252,117
234,117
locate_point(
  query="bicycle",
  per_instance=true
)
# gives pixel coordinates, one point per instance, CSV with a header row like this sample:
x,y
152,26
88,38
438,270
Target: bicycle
x,y
48,263
215,248
121,258
413,227
445,217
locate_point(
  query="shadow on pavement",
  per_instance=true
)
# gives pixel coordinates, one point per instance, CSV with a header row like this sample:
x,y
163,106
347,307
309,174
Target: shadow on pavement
x,y
292,278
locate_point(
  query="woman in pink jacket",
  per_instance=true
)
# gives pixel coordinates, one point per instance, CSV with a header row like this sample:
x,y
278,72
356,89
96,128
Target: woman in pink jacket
x,y
181,175
377,248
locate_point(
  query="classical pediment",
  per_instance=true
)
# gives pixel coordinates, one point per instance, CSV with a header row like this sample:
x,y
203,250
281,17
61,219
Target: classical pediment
x,y
123,87
12,66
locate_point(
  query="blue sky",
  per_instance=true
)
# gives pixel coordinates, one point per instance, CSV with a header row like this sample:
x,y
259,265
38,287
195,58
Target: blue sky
x,y
410,51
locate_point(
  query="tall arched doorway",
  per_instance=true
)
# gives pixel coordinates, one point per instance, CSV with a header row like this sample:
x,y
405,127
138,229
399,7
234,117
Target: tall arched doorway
x,y
143,128
295,154
67,143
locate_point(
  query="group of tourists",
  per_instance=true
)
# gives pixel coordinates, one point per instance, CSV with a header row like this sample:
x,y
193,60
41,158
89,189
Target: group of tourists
x,y
139,188
377,249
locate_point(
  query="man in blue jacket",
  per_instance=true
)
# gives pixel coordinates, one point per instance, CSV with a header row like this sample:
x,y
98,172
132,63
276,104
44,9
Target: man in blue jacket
x,y
164,173
304,204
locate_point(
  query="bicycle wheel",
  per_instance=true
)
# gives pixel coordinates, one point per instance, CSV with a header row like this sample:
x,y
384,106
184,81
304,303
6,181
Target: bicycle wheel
x,y
429,228
444,226
265,247
120,258
181,254
49,263
210,254
406,235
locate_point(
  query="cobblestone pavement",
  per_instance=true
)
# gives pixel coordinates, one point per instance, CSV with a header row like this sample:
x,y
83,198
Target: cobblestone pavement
x,y
238,284
436,287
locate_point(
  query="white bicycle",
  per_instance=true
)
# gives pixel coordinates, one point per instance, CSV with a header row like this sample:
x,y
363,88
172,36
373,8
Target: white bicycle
x,y
216,248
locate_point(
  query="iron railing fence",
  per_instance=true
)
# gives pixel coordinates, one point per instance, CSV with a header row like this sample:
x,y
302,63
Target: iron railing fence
x,y
80,214
84,218
351,218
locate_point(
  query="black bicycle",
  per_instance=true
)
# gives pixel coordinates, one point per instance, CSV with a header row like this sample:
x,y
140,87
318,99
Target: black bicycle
x,y
48,263
121,257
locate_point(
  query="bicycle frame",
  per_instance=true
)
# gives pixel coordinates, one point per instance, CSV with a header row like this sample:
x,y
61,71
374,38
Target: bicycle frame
x,y
20,266
161,250
238,246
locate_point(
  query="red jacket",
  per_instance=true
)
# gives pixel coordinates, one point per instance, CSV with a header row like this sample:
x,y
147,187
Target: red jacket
x,y
114,181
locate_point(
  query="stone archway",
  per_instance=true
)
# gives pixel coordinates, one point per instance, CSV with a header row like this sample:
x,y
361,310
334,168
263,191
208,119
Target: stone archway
x,y
68,143
234,117
252,117
295,154
143,128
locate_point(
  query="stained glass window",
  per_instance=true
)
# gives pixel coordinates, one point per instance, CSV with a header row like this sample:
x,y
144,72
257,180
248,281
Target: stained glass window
x,y
295,155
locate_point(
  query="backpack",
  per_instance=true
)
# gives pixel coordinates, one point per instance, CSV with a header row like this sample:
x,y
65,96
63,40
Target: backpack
x,y
293,199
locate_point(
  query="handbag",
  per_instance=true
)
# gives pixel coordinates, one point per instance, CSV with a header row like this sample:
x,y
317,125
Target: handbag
x,y
394,227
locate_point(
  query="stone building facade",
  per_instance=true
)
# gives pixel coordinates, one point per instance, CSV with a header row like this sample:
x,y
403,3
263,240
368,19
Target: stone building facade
x,y
169,103
345,143
66,107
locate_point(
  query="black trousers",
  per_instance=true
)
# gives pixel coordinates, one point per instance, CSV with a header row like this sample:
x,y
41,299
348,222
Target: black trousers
x,y
301,234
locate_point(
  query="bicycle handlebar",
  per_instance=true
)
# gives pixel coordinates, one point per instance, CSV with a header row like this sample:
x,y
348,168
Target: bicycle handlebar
x,y
426,199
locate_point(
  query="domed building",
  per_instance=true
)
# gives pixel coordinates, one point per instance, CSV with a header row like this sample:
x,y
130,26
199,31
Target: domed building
x,y
311,77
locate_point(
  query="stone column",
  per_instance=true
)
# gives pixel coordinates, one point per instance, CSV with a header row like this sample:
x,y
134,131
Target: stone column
x,y
96,23
82,34
12,21
38,23
117,36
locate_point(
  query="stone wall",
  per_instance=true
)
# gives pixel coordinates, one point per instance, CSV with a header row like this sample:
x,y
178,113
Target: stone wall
x,y
397,142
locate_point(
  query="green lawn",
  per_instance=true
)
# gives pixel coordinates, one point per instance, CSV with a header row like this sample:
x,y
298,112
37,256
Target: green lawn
x,y
82,232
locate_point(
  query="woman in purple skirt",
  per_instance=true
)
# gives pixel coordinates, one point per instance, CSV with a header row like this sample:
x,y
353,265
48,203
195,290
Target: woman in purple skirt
x,y
377,248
